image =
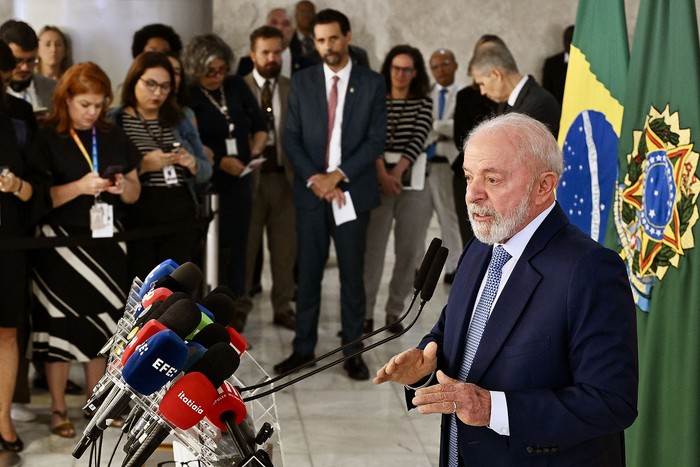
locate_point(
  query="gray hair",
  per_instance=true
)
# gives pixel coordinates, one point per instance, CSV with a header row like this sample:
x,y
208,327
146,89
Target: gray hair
x,y
201,51
492,54
533,140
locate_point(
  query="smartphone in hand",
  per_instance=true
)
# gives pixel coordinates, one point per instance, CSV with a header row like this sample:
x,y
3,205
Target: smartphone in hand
x,y
111,173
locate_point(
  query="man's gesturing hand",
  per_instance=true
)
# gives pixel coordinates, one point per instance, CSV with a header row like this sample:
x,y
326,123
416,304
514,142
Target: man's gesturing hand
x,y
471,403
409,366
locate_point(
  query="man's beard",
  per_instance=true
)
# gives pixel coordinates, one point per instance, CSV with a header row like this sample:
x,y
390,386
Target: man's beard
x,y
270,72
19,86
501,227
332,58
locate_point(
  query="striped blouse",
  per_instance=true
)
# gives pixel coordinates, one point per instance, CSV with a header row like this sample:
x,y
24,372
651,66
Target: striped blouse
x,y
145,142
409,122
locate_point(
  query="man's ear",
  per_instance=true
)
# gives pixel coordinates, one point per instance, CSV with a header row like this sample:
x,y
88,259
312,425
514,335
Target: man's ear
x,y
546,184
349,36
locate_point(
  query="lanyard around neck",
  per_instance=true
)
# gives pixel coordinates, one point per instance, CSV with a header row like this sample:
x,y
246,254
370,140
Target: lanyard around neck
x,y
94,166
221,107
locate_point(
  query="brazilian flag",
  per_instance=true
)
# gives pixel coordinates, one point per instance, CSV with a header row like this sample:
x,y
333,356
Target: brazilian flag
x,y
591,114
657,229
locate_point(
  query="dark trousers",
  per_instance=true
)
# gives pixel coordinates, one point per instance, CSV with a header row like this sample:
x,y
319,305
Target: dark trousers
x,y
315,228
234,217
161,206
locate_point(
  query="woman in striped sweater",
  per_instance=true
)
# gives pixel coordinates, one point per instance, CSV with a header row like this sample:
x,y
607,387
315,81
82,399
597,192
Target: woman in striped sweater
x,y
409,121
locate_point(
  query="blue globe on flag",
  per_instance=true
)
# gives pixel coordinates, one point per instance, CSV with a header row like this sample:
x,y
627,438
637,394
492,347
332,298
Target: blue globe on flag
x,y
587,186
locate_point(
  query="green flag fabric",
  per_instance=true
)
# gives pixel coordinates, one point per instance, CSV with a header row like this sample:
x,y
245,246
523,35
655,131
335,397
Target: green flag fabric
x,y
592,114
656,227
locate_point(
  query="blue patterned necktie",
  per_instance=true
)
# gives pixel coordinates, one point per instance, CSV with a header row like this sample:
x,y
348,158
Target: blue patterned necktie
x,y
432,148
476,329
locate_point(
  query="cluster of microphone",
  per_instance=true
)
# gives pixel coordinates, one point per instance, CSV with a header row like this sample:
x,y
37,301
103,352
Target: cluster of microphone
x,y
170,360
173,360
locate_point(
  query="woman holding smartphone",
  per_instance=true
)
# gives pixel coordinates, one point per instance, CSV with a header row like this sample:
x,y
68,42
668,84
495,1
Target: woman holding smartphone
x,y
79,291
172,163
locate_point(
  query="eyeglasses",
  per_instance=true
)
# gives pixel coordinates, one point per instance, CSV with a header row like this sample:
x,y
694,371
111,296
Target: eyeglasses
x,y
212,72
152,85
399,70
26,61
441,64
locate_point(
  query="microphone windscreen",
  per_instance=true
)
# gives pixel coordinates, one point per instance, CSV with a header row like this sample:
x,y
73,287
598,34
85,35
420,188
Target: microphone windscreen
x,y
182,317
228,403
147,330
204,310
163,269
210,335
219,363
222,306
187,400
237,341
195,351
155,362
186,279
434,274
428,258
161,293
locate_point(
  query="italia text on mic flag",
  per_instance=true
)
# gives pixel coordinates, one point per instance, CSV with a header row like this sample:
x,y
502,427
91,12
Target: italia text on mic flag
x,y
657,229
591,114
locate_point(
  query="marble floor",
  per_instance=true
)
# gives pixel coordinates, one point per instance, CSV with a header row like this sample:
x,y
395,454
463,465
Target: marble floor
x,y
326,420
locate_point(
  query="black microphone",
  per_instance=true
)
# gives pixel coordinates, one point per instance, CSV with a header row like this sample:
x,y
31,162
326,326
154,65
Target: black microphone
x,y
426,294
418,284
221,305
186,279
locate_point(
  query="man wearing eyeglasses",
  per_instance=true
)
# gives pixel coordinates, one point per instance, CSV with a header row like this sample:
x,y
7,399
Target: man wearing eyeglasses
x,y
25,84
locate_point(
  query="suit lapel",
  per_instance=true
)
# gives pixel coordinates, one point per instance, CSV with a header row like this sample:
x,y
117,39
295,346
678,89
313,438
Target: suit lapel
x,y
350,97
513,300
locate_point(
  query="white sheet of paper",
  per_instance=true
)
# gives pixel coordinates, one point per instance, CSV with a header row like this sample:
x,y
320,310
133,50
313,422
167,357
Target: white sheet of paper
x,y
251,165
346,213
418,173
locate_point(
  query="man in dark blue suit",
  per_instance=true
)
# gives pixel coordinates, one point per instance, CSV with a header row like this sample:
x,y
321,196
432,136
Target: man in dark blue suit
x,y
334,132
534,359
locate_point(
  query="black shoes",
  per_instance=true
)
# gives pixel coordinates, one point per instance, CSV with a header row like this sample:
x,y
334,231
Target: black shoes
x,y
292,362
12,446
72,388
393,321
286,320
356,368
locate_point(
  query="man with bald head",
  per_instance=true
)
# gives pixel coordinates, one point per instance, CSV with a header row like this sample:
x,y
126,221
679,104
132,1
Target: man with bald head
x,y
292,61
495,72
442,153
533,360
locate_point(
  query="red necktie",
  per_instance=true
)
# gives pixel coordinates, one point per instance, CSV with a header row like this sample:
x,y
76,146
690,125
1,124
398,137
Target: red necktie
x,y
332,104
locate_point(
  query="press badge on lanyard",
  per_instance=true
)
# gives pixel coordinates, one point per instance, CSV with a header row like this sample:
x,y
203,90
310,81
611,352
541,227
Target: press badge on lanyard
x,y
101,213
170,175
231,147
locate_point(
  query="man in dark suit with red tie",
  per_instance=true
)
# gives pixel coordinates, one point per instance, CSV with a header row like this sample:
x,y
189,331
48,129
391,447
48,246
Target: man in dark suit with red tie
x,y
533,361
334,132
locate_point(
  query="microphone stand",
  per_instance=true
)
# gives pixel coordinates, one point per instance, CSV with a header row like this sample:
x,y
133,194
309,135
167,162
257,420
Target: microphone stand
x,y
423,273
426,294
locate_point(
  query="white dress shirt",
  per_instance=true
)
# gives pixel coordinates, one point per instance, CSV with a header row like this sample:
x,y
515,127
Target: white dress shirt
x,y
516,91
444,127
335,157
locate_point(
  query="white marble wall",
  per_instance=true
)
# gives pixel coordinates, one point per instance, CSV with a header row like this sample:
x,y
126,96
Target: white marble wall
x,y
532,28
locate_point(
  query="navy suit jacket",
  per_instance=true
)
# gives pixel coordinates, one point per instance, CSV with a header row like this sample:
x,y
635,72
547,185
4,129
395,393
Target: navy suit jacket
x,y
363,134
538,103
560,342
